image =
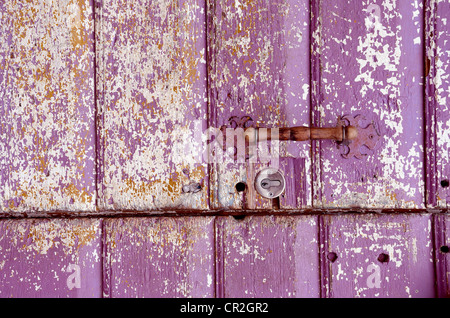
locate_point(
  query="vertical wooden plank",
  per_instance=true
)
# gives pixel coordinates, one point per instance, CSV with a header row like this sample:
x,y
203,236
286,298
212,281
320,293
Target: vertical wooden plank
x,y
267,256
368,61
159,257
437,111
47,145
296,192
379,256
442,254
258,68
50,258
151,76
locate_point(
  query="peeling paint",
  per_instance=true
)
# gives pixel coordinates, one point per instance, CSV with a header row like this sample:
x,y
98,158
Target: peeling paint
x,y
38,256
47,106
172,255
152,88
371,46
437,95
268,256
256,69
359,240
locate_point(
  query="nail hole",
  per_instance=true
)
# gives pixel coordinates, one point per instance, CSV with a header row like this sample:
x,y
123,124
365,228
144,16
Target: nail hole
x,y
444,249
383,258
240,186
445,183
239,217
332,257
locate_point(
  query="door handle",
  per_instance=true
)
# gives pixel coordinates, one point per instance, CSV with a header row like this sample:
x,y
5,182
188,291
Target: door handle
x,y
339,133
348,133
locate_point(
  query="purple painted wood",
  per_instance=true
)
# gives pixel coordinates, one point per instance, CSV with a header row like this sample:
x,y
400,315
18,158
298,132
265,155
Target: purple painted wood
x,y
295,194
367,60
437,111
151,88
442,254
138,79
378,256
267,256
258,53
47,143
50,258
159,257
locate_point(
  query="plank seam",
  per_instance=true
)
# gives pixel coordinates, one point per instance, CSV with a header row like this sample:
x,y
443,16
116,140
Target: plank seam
x,y
315,26
430,104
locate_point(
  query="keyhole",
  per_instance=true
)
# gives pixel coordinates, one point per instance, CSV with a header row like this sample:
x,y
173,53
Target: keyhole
x,y
267,183
270,183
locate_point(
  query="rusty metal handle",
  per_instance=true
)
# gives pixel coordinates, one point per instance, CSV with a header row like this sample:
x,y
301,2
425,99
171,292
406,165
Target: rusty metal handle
x,y
348,133
339,133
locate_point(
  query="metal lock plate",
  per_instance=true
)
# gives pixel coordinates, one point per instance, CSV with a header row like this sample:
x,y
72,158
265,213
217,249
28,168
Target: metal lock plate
x,y
270,183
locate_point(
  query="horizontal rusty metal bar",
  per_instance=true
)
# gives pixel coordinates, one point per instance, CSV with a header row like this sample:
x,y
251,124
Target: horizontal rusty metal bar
x,y
218,212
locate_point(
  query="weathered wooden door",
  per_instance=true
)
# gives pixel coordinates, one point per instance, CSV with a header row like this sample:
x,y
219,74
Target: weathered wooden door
x,y
114,183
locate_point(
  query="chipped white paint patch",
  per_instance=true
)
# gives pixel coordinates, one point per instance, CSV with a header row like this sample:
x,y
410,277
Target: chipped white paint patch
x,y
151,94
377,45
47,138
438,53
38,255
359,241
257,70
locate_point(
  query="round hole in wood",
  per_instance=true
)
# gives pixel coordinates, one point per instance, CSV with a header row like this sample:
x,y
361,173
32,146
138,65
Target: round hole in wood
x,y
383,258
239,217
240,186
332,257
